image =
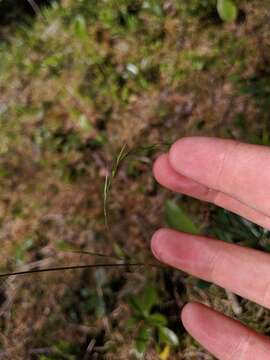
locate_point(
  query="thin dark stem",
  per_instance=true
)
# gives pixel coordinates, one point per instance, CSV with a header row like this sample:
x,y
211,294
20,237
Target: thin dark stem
x,y
84,252
75,267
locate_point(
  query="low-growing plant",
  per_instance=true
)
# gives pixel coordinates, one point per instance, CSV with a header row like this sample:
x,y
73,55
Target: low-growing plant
x,y
150,324
233,228
258,87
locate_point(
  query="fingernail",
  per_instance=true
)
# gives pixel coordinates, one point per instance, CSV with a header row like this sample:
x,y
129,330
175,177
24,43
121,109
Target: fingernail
x,y
155,245
180,250
166,247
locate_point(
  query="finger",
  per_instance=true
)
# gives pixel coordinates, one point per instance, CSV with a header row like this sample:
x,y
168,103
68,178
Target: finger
x,y
243,271
225,338
168,177
236,169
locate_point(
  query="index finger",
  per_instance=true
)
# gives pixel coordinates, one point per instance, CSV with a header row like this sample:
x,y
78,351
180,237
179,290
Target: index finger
x,y
237,169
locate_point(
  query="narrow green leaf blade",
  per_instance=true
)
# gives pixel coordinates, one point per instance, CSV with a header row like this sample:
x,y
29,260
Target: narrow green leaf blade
x,y
178,220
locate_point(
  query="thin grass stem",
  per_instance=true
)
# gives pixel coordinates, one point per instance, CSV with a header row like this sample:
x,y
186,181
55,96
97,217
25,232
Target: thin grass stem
x,y
75,267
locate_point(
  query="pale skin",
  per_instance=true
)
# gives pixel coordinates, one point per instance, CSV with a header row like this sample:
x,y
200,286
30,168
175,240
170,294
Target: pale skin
x,y
235,176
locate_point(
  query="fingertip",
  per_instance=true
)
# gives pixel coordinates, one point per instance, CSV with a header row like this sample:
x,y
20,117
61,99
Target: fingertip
x,y
181,150
169,178
188,314
200,158
156,242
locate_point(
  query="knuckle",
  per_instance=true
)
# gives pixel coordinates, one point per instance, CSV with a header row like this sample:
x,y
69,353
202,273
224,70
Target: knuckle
x,y
214,266
226,157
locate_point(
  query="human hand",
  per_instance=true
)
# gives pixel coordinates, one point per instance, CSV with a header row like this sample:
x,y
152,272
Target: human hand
x,y
235,176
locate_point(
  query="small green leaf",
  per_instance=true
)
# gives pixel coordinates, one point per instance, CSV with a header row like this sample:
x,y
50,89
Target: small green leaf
x,y
64,246
119,252
157,319
149,297
132,321
80,26
84,124
178,220
227,10
21,250
143,339
167,336
135,305
201,284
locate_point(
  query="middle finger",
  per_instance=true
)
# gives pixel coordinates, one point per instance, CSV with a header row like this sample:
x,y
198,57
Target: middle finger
x,y
243,271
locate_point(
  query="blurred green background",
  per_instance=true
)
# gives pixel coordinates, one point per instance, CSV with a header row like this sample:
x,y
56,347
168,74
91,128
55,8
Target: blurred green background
x,y
78,80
